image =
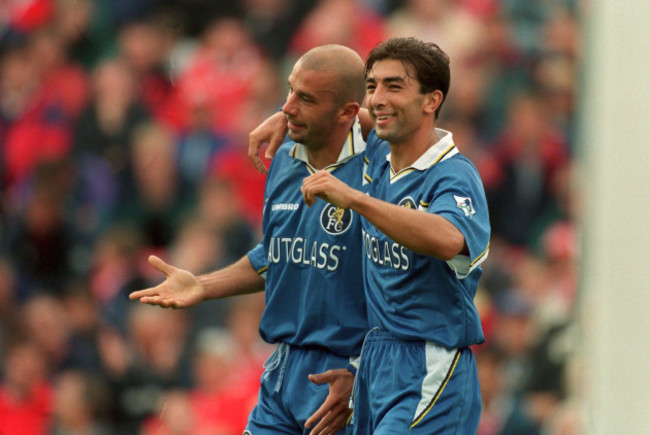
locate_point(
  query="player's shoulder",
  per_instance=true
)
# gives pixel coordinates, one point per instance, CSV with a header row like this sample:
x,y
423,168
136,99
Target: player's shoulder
x,y
286,149
457,170
282,155
457,162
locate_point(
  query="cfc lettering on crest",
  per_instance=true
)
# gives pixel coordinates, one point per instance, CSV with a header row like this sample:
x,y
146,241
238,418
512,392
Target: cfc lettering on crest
x,y
335,220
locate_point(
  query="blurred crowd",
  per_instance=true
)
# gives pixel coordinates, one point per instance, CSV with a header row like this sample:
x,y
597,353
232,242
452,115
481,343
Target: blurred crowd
x,y
123,132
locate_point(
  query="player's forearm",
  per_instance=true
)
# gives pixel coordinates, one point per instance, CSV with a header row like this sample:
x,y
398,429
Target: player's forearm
x,y
426,233
237,279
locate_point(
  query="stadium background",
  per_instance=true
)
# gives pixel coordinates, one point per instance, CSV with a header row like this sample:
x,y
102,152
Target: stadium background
x,y
123,132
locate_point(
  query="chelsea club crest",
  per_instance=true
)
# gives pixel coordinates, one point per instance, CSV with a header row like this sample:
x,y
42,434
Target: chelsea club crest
x,y
335,220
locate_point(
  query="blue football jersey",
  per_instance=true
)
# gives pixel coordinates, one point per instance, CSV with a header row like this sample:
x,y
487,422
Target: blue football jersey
x,y
310,256
415,296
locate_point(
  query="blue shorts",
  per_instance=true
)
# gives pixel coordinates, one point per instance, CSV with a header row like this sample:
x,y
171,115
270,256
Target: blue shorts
x,y
287,397
415,387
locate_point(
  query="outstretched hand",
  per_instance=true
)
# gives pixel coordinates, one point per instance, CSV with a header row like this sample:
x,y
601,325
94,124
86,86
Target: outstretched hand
x,y
179,290
334,413
272,130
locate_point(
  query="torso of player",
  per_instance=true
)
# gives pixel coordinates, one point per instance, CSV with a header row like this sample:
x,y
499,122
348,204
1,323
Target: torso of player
x,y
314,286
412,295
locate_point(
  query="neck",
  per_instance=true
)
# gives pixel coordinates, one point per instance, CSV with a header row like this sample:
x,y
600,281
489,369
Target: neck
x,y
328,154
404,154
322,158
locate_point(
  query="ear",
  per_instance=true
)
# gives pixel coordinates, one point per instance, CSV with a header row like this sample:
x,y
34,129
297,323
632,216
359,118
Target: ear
x,y
432,101
349,111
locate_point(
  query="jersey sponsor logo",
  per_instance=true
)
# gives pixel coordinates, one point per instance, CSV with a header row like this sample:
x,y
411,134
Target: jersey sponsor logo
x,y
335,220
408,202
465,204
385,252
285,206
298,250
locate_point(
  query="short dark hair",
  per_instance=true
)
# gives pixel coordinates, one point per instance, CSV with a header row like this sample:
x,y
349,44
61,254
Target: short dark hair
x,y
424,61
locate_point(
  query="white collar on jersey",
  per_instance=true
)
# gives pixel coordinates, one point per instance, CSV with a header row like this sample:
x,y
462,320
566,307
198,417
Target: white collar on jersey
x,y
441,150
354,144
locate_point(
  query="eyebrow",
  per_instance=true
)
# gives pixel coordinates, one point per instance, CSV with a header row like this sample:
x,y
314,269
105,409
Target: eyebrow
x,y
302,93
390,79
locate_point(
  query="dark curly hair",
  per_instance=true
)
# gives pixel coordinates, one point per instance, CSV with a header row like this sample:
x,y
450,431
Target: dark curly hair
x,y
425,62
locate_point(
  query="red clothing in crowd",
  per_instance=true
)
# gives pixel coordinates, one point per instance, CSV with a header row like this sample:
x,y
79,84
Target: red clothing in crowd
x,y
28,416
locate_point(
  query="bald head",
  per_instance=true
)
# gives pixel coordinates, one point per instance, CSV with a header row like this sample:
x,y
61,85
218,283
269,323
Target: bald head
x,y
346,66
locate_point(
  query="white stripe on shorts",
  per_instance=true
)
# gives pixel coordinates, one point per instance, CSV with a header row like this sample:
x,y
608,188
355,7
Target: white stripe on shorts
x,y
439,361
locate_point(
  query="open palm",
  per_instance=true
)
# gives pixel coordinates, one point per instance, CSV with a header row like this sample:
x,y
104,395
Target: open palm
x,y
179,290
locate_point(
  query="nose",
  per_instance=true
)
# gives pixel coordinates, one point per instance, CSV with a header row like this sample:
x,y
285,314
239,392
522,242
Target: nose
x,y
289,107
376,98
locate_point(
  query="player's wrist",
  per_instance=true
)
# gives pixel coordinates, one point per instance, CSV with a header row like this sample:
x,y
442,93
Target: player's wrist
x,y
201,284
357,200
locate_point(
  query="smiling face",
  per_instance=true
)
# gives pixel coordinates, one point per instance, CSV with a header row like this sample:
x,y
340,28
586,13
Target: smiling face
x,y
311,107
400,112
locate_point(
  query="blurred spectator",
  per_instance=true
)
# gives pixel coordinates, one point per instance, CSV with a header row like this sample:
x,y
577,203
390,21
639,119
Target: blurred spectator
x,y
27,15
87,33
125,11
65,84
561,35
445,22
560,251
221,74
242,322
84,319
114,267
175,415
491,379
556,76
273,22
199,246
504,72
196,15
527,20
227,208
246,192
530,154
44,323
466,110
545,387
9,305
79,400
39,235
227,366
199,145
102,144
145,45
514,337
345,22
217,398
150,359
157,201
25,393
557,69
38,102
